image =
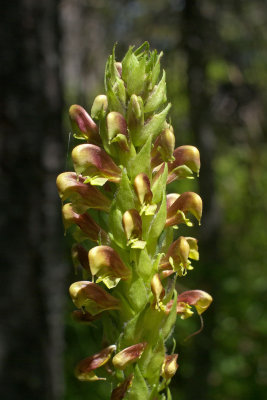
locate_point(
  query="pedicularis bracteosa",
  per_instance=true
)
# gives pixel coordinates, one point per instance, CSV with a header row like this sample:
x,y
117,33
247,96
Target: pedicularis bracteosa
x,y
125,249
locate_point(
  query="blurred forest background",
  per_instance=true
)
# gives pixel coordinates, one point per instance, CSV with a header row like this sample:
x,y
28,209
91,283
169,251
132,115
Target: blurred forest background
x,y
215,55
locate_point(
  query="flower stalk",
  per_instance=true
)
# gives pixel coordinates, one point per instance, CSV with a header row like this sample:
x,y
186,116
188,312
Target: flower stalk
x,y
129,257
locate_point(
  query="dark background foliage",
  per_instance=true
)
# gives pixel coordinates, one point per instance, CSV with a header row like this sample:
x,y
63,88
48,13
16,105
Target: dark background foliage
x,y
53,55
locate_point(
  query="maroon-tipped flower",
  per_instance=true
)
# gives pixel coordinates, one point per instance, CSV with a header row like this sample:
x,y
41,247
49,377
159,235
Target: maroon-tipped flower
x,y
117,130
169,366
120,391
94,163
86,223
186,202
144,194
128,355
92,298
187,160
85,370
82,195
82,125
106,264
132,225
163,147
198,298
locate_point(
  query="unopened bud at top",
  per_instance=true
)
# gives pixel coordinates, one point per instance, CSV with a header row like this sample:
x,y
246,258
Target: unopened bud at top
x,y
100,106
135,117
83,126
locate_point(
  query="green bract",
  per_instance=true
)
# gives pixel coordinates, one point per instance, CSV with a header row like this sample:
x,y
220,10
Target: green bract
x,y
122,169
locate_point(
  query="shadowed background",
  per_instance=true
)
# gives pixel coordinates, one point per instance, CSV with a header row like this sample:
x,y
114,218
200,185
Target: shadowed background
x,y
53,55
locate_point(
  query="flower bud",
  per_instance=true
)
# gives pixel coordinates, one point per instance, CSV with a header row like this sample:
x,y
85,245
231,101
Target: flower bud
x,y
135,116
142,188
84,371
120,391
118,66
117,130
132,225
129,355
92,298
158,291
82,195
169,366
163,147
88,226
107,265
82,125
187,202
198,298
185,156
100,106
94,163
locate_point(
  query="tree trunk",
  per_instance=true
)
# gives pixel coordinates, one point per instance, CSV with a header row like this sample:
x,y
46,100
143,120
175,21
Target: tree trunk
x,y
32,275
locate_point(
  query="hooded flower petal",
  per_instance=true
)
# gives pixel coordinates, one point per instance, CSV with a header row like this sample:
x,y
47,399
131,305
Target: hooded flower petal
x,y
94,163
82,125
117,130
92,298
107,265
120,391
85,369
158,292
198,298
177,257
169,366
88,226
163,147
132,225
129,355
82,195
185,156
186,202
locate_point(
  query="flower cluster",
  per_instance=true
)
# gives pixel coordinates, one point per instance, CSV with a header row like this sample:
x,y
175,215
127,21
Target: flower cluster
x,y
122,167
